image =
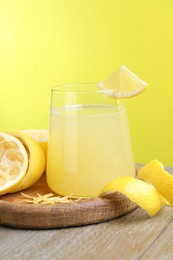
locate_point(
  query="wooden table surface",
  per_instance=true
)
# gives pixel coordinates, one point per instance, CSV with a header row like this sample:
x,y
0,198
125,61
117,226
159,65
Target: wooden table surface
x,y
133,236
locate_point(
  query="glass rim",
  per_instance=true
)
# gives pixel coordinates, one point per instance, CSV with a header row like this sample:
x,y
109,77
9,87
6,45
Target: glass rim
x,y
65,88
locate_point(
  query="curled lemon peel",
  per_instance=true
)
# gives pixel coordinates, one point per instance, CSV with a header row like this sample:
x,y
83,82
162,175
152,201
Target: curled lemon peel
x,y
138,191
154,173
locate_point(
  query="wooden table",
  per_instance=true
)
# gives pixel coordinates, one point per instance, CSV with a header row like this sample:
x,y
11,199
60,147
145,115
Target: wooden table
x,y
133,236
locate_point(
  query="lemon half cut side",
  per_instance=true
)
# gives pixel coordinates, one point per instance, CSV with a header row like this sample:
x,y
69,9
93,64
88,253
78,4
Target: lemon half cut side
x,y
138,191
123,83
13,162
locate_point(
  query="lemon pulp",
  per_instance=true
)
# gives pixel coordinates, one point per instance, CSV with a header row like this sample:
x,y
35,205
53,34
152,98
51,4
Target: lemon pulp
x,y
13,162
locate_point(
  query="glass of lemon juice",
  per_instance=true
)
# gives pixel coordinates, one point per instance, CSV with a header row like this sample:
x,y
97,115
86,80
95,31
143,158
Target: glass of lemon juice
x,y
89,143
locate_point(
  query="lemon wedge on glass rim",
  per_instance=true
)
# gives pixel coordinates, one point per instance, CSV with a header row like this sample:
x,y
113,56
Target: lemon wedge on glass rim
x,y
123,83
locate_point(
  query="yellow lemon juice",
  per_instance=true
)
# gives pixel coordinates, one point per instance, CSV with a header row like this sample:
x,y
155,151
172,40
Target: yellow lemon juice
x,y
88,147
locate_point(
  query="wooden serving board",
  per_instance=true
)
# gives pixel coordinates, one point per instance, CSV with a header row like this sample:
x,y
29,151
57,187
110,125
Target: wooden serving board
x,y
14,211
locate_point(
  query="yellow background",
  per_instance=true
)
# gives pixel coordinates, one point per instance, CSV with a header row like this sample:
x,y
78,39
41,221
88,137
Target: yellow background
x,y
48,42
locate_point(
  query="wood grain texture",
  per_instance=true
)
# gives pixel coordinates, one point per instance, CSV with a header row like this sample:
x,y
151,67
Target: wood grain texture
x,y
14,211
133,236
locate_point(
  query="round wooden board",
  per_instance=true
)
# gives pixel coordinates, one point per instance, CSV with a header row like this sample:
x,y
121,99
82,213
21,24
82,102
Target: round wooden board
x,y
14,211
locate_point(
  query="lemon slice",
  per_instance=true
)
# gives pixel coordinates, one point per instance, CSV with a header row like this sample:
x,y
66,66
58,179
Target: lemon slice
x,y
138,191
122,84
36,161
13,162
154,173
40,136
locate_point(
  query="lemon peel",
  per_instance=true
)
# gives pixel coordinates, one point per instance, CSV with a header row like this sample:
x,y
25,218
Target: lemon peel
x,y
154,173
36,161
123,83
138,191
40,136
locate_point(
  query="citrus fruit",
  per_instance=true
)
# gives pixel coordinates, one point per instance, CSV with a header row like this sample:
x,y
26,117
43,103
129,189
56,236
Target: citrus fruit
x,y
154,173
40,136
122,84
13,162
36,161
138,191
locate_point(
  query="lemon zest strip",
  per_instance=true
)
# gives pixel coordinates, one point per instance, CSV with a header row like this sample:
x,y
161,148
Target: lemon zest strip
x,y
49,198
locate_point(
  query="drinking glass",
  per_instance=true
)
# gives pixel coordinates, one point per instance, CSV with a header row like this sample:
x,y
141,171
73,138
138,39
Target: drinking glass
x,y
89,143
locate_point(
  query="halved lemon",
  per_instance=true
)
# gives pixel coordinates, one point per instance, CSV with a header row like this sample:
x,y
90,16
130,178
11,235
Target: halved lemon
x,y
154,173
123,83
13,162
40,136
36,161
138,191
